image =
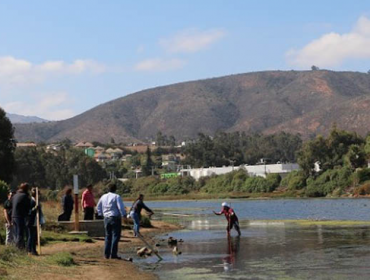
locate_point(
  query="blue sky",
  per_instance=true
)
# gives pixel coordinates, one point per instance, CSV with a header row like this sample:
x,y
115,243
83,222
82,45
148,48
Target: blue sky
x,y
61,58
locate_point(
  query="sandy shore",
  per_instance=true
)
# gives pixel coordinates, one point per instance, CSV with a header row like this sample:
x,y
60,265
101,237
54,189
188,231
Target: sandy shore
x,y
90,261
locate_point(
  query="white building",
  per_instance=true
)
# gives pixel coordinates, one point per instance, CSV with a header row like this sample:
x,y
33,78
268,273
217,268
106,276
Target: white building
x,y
253,170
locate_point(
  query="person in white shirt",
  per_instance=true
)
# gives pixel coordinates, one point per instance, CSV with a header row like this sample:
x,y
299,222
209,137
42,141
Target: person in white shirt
x,y
111,207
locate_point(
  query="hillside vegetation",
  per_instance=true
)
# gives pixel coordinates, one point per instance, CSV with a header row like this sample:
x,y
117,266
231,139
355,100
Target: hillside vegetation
x,y
305,102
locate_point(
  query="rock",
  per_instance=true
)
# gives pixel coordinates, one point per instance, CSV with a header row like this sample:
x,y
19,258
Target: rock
x,y
181,241
176,251
157,245
172,241
142,251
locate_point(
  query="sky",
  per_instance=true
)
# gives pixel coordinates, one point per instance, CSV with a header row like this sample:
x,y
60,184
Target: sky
x,y
59,59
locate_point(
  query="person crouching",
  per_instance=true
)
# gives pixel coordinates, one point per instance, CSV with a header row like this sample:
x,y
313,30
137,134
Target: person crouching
x,y
232,219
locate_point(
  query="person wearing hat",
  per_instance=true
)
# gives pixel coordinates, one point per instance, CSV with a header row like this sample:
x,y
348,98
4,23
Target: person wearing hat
x,y
232,219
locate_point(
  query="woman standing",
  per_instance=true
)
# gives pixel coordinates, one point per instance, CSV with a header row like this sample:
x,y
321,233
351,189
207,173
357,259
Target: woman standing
x,y
67,205
135,213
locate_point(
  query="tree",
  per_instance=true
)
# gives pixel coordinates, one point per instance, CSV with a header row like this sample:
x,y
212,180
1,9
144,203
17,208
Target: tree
x,y
7,148
147,167
314,68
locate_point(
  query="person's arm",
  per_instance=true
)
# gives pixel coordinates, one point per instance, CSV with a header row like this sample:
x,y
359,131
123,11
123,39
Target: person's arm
x,y
99,207
82,200
147,208
7,218
218,213
121,207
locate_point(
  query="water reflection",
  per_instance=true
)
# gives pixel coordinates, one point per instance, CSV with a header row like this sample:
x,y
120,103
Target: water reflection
x,y
233,245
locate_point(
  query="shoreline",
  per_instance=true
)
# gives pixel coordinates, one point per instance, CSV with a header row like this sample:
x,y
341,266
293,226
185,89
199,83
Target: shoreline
x,y
254,196
89,260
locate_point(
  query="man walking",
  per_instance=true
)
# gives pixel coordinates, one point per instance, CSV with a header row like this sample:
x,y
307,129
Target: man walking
x,y
111,207
88,203
9,239
21,207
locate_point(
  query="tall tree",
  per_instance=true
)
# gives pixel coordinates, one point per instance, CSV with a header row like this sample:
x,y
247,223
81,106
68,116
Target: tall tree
x,y
7,148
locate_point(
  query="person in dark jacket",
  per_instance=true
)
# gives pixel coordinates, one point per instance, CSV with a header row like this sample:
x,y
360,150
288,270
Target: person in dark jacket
x,y
21,207
67,205
135,213
32,223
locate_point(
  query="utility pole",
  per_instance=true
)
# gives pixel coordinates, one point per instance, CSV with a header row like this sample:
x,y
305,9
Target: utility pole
x,y
75,190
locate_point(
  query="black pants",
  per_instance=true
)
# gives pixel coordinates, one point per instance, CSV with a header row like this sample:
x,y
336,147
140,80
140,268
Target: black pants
x,y
32,239
89,213
19,232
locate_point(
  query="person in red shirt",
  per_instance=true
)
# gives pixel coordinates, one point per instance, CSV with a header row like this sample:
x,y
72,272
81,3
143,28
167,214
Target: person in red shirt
x,y
232,219
88,203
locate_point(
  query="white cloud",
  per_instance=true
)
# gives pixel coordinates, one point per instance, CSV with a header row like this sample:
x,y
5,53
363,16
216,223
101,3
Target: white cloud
x,y
192,40
158,64
333,49
19,71
49,106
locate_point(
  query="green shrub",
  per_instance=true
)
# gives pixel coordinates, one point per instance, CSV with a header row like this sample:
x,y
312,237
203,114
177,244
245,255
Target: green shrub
x,y
256,185
362,175
295,180
273,181
330,180
4,188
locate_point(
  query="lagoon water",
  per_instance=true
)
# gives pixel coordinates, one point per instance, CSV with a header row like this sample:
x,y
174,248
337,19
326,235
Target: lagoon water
x,y
269,248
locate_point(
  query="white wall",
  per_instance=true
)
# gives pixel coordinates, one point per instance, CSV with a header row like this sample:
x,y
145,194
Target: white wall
x,y
253,170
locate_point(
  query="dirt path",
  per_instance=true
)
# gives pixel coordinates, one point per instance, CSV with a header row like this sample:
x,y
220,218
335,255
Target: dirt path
x,y
92,265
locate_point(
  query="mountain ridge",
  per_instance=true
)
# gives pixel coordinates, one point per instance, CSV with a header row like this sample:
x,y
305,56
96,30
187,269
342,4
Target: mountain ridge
x,y
306,102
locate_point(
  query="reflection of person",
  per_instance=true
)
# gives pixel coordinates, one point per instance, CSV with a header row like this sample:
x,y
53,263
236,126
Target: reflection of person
x,y
67,204
232,251
8,219
232,219
135,212
21,207
111,207
88,203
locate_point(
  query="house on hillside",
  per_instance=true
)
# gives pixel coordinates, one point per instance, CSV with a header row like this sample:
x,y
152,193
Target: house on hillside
x,y
84,145
26,145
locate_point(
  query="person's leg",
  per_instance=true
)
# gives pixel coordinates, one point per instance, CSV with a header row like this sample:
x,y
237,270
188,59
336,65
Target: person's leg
x,y
7,234
136,219
34,240
237,227
30,239
11,234
108,237
20,227
89,213
116,236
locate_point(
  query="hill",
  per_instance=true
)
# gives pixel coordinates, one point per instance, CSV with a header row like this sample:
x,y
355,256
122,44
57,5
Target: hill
x,y
14,118
306,102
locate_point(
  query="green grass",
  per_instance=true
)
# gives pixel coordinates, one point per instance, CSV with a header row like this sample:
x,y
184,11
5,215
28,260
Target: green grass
x,y
52,237
61,259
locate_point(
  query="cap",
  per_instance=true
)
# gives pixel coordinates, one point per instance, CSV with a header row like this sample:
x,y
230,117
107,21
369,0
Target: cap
x,y
225,204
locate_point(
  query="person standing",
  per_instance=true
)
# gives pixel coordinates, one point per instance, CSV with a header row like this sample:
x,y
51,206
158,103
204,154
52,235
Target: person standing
x,y
111,207
9,239
88,203
20,209
232,219
135,213
67,205
31,224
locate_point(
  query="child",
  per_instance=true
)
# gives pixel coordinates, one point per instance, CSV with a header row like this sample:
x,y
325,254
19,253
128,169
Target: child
x,y
232,219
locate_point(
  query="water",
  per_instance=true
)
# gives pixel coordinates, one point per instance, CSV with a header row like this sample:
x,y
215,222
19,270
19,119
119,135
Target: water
x,y
272,249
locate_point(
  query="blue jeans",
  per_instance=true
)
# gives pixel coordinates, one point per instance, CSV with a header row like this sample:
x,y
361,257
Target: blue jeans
x,y
112,227
136,218
19,231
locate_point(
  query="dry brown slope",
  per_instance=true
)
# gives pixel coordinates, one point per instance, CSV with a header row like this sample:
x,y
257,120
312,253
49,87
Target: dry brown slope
x,y
304,101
